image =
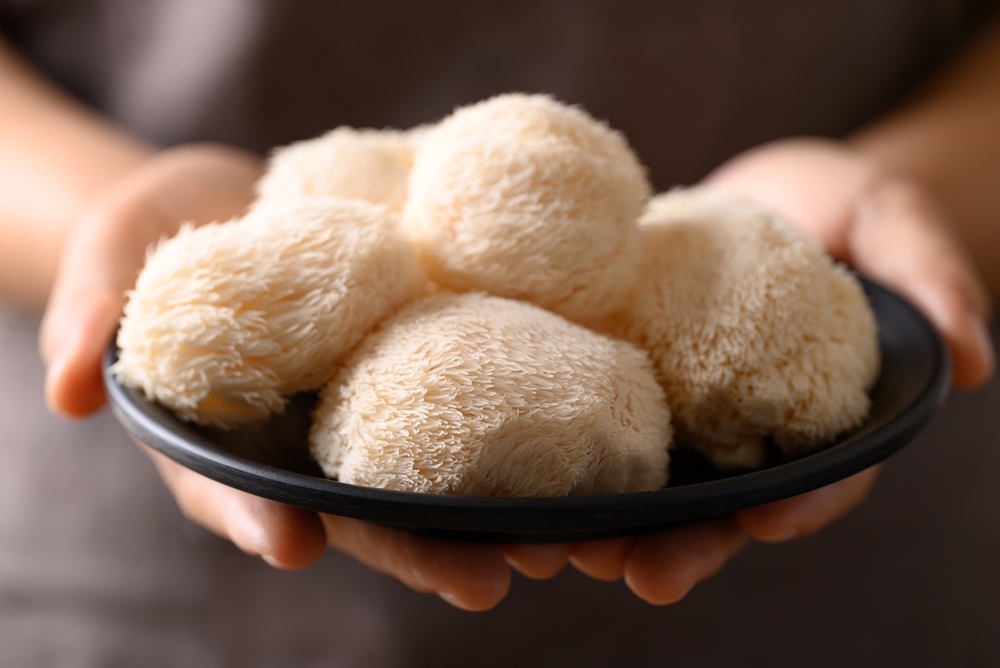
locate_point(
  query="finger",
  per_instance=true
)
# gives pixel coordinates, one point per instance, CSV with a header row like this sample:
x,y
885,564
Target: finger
x,y
663,566
899,238
105,251
285,537
601,559
469,576
811,182
74,386
538,561
100,261
807,513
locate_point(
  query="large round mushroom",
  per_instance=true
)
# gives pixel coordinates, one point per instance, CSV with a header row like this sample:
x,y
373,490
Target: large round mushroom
x,y
478,395
755,332
527,198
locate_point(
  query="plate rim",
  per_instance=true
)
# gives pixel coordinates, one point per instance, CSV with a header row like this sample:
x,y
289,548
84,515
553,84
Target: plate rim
x,y
532,515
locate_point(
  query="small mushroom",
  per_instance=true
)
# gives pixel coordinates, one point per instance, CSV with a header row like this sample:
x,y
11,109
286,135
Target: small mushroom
x,y
228,318
370,165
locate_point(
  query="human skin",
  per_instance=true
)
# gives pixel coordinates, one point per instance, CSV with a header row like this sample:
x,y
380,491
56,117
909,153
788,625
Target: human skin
x,y
80,201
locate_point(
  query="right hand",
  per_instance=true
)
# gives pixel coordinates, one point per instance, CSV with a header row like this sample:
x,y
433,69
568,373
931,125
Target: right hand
x,y
889,229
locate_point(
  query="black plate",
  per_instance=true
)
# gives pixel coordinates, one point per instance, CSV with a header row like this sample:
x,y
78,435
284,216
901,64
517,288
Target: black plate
x,y
271,459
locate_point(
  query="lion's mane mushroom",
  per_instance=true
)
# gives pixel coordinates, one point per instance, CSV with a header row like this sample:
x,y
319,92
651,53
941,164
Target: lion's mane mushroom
x,y
370,165
527,198
478,395
227,318
756,333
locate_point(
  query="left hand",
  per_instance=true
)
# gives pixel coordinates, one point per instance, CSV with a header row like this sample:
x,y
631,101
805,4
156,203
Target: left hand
x,y
102,257
885,227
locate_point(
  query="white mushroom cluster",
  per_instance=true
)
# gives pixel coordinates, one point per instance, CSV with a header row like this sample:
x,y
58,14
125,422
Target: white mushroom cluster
x,y
494,306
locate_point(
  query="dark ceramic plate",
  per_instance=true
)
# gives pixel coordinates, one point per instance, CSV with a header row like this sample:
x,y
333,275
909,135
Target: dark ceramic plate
x,y
271,459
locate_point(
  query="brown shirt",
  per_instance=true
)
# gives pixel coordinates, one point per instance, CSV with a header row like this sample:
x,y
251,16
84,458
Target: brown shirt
x,y
690,82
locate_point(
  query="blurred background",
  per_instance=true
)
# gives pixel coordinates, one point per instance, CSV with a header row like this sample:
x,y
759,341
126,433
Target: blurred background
x,y
97,566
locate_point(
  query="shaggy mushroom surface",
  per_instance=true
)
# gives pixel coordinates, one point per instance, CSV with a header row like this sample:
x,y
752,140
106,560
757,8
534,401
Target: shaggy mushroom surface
x,y
227,319
496,307
527,198
370,165
478,395
755,332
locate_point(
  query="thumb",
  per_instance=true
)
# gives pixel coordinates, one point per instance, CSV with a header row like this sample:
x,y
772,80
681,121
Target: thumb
x,y
106,249
73,350
97,266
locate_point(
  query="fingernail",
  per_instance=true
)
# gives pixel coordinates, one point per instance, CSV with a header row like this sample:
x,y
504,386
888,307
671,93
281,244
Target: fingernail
x,y
61,351
67,338
514,564
684,593
270,561
676,598
58,357
983,341
782,536
451,599
53,373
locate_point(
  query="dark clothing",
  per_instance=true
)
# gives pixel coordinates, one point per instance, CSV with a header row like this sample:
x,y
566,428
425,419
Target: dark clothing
x,y
689,82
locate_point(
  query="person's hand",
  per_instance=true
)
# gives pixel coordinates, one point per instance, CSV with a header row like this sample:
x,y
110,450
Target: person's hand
x,y
103,257
883,225
887,228
101,260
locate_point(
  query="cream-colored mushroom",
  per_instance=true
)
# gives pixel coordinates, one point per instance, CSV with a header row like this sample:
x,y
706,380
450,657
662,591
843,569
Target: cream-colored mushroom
x,y
226,319
756,333
478,395
527,198
370,165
